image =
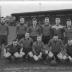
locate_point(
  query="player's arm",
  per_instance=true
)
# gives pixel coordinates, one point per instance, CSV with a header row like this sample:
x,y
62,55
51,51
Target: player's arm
x,y
7,30
17,29
33,47
49,45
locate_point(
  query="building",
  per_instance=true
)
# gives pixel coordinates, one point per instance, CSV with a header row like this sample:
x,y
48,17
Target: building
x,y
63,14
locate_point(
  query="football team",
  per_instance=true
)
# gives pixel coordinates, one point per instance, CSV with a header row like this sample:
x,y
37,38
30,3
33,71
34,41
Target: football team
x,y
38,42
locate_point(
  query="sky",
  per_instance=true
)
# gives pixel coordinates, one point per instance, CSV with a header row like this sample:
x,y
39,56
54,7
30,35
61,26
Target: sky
x,y
8,8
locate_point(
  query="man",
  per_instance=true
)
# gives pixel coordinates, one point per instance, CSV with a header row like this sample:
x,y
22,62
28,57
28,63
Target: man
x,y
4,32
58,29
26,43
21,29
55,46
13,51
68,31
68,48
38,49
34,30
47,32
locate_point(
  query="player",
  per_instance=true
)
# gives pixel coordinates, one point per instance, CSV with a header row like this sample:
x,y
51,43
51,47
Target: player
x,y
47,32
26,43
34,30
68,48
55,46
68,31
4,32
38,49
21,29
13,51
58,29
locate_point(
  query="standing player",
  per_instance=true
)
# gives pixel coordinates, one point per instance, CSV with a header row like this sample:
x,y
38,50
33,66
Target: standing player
x,y
21,29
26,43
4,32
58,29
68,31
47,32
34,30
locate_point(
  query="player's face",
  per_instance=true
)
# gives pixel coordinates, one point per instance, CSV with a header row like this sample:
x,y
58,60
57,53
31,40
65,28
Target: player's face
x,y
27,35
2,21
14,43
22,20
57,21
39,38
55,37
34,23
46,20
68,23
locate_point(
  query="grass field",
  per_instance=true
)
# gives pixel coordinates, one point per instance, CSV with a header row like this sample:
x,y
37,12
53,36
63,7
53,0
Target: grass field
x,y
28,67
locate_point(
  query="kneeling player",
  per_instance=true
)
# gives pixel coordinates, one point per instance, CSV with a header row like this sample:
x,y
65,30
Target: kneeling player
x,y
27,46
55,47
68,48
38,49
13,51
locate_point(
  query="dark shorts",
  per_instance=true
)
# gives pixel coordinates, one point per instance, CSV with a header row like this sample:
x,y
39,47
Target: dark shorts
x,y
27,50
20,36
45,39
3,39
69,53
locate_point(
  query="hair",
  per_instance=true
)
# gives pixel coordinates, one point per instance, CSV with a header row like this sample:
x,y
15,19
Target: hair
x,y
46,17
68,20
34,19
57,18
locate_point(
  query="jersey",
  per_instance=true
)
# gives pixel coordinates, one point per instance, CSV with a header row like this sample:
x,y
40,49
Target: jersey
x,y
46,30
12,49
55,45
34,31
21,29
4,30
38,47
68,33
27,43
59,30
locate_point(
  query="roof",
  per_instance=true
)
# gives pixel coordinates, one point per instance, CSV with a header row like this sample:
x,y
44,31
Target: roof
x,y
51,12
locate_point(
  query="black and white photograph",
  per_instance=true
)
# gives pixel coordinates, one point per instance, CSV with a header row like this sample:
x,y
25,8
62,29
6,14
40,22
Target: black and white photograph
x,y
36,37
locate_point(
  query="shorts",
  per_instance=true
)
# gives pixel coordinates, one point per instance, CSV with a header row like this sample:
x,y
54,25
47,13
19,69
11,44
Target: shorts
x,y
3,40
27,50
20,36
45,39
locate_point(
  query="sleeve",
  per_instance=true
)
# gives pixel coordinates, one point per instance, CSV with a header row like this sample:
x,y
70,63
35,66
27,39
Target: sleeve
x,y
33,47
17,29
19,48
8,48
51,32
61,45
65,47
29,29
21,42
49,45
43,47
7,30
31,41
39,30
